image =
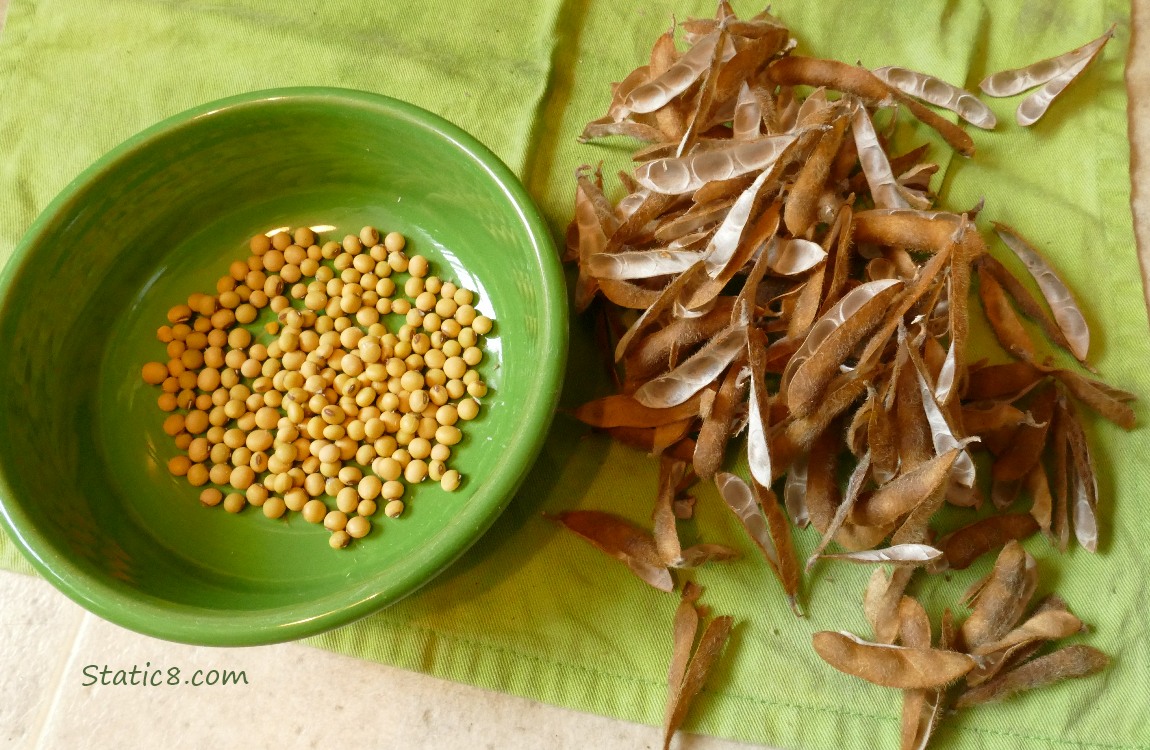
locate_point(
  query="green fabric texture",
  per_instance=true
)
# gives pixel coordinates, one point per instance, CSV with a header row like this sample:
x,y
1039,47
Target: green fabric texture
x,y
534,611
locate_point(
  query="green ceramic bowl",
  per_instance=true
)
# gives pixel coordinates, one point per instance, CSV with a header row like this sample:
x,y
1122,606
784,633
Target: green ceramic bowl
x,y
83,481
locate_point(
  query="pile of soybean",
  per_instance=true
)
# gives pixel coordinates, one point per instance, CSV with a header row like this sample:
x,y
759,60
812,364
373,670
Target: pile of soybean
x,y
780,284
323,409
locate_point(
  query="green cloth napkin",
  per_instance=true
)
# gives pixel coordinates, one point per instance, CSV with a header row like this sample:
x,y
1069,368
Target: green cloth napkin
x,y
537,612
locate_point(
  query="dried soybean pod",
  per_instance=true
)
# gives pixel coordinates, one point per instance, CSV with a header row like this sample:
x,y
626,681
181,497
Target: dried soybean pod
x,y
1061,466
666,533
939,93
755,28
1013,655
1017,80
900,496
1006,381
746,63
958,138
716,428
860,538
891,666
791,256
1034,106
1000,602
617,110
676,175
1042,505
881,600
758,409
654,440
665,300
696,373
683,630
875,166
626,294
913,624
856,437
795,493
700,113
1024,301
915,529
843,232
947,631
592,239
1029,440
832,339
652,95
927,278
965,545
915,446
807,304
780,530
640,264
670,117
1066,663
758,510
921,713
978,418
931,231
623,411
740,499
606,127
725,191
898,554
797,435
795,70
622,540
1085,483
1003,320
1048,625
700,554
1092,394
683,218
710,646
801,210
881,439
742,232
920,708
964,252
651,205
914,632
1066,312
822,491
746,303
934,359
854,486
654,353
592,185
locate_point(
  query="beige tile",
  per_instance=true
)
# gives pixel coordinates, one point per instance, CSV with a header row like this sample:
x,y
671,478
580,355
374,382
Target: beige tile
x,y
38,625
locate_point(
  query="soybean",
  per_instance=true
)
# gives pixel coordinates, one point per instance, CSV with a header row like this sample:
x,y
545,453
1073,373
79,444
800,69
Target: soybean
x,y
285,423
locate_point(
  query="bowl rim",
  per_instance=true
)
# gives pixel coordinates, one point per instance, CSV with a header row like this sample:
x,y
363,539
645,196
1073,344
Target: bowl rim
x,y
159,618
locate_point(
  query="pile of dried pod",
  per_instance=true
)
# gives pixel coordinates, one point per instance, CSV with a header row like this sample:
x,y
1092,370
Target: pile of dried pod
x,y
774,270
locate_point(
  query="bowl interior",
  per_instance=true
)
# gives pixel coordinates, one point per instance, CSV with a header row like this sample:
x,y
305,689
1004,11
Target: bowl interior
x,y
85,487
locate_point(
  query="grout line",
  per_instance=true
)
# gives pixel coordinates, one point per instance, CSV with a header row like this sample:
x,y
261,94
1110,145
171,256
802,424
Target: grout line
x,y
49,711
